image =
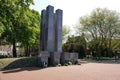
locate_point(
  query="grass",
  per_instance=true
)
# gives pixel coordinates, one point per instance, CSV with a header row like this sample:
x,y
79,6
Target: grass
x,y
8,63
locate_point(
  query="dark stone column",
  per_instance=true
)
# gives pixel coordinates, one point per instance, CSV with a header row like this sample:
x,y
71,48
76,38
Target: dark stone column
x,y
42,30
50,31
58,31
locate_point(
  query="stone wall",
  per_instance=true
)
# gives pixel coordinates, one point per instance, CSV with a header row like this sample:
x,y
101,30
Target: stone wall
x,y
43,57
66,56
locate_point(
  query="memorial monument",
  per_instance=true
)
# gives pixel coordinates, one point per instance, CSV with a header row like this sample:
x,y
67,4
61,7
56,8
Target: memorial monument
x,y
51,38
51,34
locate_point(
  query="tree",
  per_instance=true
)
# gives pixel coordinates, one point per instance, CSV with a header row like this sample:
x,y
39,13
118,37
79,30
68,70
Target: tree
x,y
103,25
75,44
65,32
30,32
18,20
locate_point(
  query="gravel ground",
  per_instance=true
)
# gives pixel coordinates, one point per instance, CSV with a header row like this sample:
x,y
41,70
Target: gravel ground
x,y
88,71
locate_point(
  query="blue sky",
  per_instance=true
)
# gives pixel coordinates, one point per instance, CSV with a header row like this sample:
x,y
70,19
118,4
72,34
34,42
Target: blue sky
x,y
74,9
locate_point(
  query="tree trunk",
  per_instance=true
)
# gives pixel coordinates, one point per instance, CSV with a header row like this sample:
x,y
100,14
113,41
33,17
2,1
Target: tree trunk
x,y
14,48
109,49
27,52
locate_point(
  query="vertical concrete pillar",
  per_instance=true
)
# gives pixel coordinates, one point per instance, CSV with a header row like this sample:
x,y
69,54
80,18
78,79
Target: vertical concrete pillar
x,y
42,30
50,30
58,30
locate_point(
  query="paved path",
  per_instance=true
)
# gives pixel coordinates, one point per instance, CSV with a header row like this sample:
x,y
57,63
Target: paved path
x,y
89,71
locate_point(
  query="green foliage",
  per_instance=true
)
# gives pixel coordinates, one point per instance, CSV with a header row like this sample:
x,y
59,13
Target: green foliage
x,y
75,44
59,65
65,32
69,63
55,63
19,24
1,28
3,56
30,33
115,44
103,26
66,64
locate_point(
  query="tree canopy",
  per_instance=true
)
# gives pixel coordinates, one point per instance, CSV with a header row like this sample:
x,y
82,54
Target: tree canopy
x,y
18,23
103,26
65,32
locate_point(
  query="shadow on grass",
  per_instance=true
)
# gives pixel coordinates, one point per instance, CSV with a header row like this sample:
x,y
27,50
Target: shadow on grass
x,y
22,64
20,69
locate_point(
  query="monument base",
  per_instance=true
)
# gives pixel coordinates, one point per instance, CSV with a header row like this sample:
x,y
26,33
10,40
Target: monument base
x,y
49,58
43,58
66,57
55,58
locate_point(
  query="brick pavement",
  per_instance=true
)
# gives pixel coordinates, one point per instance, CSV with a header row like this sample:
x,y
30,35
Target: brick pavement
x,y
89,71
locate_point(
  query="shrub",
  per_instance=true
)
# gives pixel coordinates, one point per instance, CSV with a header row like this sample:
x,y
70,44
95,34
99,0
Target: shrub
x,y
88,56
69,63
66,64
55,63
59,65
78,63
3,56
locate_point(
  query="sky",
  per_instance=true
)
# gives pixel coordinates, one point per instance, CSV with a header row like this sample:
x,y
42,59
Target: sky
x,y
74,9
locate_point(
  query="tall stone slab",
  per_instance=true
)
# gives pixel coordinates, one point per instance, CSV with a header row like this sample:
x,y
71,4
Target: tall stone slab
x,y
51,29
42,30
58,31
